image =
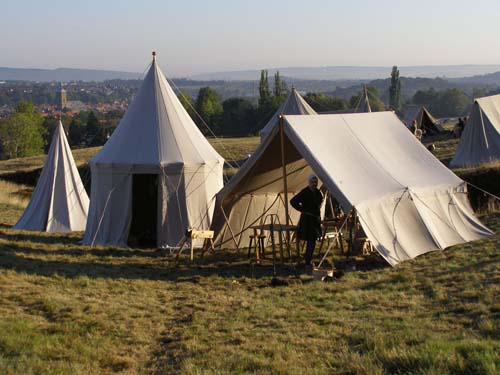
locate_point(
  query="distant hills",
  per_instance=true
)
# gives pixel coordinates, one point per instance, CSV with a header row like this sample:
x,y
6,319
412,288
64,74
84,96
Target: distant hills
x,y
342,75
356,72
63,75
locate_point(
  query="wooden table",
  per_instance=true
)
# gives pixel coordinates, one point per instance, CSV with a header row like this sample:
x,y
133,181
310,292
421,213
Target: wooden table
x,y
279,228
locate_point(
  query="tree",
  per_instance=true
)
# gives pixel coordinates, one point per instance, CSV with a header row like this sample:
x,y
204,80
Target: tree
x,y
209,108
238,118
449,103
321,102
280,87
95,133
425,97
76,132
22,133
188,104
264,91
395,89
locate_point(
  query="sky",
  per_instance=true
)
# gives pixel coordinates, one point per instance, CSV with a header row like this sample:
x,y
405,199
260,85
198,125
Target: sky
x,y
195,36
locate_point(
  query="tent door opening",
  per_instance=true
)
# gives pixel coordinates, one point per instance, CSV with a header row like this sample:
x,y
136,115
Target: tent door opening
x,y
143,229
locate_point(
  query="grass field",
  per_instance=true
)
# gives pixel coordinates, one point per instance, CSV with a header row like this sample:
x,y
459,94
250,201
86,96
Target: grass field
x,y
69,309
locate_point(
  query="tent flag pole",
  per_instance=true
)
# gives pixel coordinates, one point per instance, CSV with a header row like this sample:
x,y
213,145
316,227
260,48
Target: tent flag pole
x,y
285,182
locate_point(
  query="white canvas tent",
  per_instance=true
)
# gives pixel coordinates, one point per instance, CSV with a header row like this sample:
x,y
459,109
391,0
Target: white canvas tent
x,y
294,104
480,141
407,201
59,202
157,157
363,105
424,119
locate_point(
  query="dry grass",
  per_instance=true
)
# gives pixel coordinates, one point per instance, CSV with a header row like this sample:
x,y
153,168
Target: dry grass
x,y
69,309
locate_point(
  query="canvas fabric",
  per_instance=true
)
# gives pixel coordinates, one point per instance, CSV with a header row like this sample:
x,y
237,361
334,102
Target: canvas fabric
x,y
59,202
408,202
156,136
294,104
480,141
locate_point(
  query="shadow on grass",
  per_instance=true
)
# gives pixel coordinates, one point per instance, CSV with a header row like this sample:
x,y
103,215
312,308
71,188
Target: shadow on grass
x,y
147,264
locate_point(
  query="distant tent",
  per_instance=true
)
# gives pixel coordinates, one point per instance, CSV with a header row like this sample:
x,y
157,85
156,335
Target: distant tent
x,y
363,105
480,141
294,104
59,202
424,119
407,201
156,176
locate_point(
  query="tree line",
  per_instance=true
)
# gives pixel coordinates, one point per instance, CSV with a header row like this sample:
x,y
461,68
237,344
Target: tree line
x,y
25,132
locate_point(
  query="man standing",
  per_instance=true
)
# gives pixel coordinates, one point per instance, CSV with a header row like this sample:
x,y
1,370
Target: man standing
x,y
308,202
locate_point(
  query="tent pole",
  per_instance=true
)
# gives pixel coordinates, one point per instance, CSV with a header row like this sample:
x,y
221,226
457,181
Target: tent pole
x,y
285,182
352,232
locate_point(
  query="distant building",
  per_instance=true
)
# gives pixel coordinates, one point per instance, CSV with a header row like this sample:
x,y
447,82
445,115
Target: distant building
x,y
61,99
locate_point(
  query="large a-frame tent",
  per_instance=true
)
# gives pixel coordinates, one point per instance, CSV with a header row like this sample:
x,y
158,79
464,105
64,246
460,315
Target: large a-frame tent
x,y
425,120
480,141
407,201
59,202
294,104
157,173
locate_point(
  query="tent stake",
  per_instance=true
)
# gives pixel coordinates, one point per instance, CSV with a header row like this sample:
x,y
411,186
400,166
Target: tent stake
x,y
285,182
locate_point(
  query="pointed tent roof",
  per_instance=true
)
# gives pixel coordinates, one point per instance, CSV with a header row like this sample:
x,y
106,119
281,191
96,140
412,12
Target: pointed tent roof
x,y
59,202
424,119
294,104
480,141
156,131
363,105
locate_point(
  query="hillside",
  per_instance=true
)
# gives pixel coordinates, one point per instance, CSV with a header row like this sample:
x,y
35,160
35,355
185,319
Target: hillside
x,y
72,309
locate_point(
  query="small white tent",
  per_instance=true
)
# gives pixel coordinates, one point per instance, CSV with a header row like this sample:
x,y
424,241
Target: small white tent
x,y
294,104
407,201
480,141
363,105
157,173
59,202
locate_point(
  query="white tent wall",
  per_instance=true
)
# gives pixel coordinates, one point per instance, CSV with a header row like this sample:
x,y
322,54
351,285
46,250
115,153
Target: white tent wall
x,y
110,208
480,141
156,137
59,202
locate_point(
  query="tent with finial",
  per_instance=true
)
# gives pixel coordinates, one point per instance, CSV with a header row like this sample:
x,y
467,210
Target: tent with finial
x,y
156,175
59,202
294,104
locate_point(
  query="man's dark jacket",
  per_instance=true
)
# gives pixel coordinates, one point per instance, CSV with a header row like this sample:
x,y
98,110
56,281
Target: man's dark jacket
x,y
308,202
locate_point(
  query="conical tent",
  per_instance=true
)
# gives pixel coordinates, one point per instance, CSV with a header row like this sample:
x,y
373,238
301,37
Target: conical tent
x,y
363,105
59,202
407,201
156,153
294,104
480,141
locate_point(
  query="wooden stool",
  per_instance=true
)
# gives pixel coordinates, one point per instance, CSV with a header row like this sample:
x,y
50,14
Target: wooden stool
x,y
193,234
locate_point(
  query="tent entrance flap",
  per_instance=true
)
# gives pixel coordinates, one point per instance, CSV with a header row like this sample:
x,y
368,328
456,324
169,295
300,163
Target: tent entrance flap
x,y
143,229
